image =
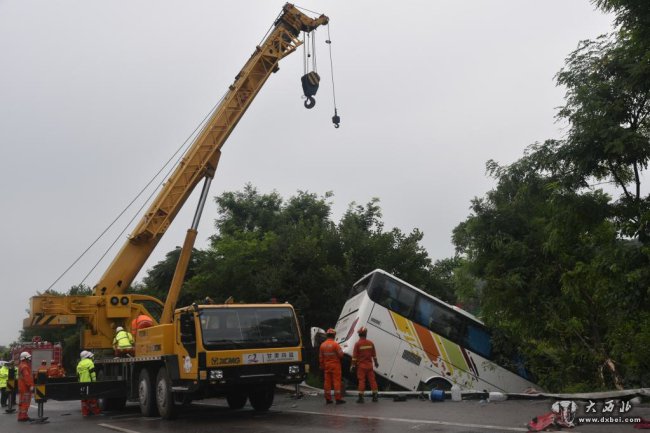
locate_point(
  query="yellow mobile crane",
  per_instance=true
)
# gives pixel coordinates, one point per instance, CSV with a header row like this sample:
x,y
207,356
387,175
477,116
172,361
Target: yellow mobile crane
x,y
237,350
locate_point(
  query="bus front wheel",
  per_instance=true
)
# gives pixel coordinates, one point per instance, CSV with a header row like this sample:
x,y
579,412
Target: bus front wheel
x,y
436,383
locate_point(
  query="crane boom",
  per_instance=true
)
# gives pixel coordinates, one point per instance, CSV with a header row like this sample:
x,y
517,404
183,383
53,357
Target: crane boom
x,y
202,157
109,303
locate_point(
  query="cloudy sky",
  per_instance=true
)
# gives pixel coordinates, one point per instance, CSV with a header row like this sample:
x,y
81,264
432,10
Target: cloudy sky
x,y
95,96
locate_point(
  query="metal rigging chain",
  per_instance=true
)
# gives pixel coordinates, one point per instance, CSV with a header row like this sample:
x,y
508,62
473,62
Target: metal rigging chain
x,y
336,120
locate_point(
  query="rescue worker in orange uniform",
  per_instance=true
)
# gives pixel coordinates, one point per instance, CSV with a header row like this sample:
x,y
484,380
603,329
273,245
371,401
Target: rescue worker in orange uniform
x,y
55,370
140,322
363,356
25,386
330,355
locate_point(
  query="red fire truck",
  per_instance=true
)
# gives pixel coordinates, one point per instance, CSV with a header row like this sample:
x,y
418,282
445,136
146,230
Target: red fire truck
x,y
40,351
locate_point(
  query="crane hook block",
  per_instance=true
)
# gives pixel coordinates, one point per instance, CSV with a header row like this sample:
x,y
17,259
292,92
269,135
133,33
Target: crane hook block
x,y
310,83
336,120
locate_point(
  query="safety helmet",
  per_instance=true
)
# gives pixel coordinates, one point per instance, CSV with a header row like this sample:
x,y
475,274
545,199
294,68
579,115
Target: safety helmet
x,y
362,331
331,331
118,329
25,355
85,354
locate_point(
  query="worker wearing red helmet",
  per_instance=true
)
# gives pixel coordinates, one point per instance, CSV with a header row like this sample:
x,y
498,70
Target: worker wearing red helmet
x,y
329,358
363,357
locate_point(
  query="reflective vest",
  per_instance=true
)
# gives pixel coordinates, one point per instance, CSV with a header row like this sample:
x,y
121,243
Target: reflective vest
x,y
4,375
86,370
123,340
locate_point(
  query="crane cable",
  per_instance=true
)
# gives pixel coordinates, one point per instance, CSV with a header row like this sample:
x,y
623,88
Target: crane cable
x,y
336,119
201,125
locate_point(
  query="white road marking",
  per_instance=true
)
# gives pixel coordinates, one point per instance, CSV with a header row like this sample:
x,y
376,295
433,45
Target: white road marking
x,y
120,429
412,421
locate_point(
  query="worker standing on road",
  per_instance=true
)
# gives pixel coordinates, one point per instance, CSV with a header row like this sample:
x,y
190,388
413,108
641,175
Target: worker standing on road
x,y
4,376
363,356
123,343
141,322
25,385
86,373
329,358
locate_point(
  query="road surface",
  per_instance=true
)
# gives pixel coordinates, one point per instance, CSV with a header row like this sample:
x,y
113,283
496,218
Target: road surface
x,y
310,414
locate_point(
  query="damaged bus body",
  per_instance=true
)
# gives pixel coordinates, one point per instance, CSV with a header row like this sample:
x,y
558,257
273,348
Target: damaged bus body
x,y
422,342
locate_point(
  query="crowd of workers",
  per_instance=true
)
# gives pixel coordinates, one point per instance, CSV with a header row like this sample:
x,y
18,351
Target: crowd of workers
x,y
25,374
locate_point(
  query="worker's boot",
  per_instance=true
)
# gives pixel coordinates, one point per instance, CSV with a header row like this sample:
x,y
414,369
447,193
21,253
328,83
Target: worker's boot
x,y
360,399
375,397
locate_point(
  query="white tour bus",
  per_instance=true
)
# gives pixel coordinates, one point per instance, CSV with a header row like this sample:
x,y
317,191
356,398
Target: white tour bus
x,y
422,342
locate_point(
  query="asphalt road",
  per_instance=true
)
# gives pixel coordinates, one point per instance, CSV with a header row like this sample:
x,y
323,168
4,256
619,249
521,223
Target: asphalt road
x,y
309,414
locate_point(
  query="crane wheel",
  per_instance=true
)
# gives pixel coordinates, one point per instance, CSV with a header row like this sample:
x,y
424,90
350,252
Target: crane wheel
x,y
165,395
146,394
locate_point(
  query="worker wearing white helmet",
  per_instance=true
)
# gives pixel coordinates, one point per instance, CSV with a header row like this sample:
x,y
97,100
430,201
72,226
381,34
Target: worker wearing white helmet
x,y
123,342
86,373
25,385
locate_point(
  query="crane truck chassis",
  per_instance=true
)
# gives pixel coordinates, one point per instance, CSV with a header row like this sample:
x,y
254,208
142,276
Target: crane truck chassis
x,y
240,351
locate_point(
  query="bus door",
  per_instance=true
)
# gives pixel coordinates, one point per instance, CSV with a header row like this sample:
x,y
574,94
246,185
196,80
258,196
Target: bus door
x,y
382,332
407,366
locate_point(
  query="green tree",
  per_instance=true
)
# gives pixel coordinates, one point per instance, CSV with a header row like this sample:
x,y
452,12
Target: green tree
x,y
290,249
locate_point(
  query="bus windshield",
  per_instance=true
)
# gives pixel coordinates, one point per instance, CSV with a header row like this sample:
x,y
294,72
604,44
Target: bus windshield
x,y
234,328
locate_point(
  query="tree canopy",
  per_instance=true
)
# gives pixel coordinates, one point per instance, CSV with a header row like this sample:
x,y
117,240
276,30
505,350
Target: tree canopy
x,y
267,247
559,248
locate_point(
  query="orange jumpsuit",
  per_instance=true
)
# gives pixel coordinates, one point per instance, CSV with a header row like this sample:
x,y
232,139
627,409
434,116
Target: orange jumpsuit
x,y
55,370
25,386
329,358
363,356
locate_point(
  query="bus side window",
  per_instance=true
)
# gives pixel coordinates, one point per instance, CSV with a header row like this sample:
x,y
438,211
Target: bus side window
x,y
404,302
479,341
424,312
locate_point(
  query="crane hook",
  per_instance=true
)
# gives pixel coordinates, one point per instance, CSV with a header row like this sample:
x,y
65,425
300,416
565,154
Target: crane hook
x,y
336,119
309,102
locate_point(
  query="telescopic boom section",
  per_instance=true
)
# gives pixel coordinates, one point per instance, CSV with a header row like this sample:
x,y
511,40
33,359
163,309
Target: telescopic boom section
x,y
201,158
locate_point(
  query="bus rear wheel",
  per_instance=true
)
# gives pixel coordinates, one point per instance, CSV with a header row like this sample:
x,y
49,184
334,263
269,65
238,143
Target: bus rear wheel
x,y
261,397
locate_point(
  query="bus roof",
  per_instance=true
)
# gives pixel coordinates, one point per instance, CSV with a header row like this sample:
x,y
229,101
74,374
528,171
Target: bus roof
x,y
428,295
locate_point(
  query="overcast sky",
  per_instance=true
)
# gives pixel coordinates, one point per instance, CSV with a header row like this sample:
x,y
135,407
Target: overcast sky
x,y
96,95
